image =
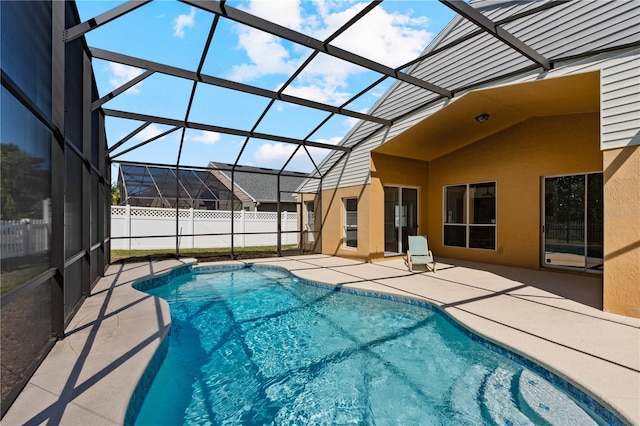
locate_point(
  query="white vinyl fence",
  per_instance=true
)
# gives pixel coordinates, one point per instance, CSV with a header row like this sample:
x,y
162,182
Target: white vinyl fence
x,y
127,221
23,237
26,237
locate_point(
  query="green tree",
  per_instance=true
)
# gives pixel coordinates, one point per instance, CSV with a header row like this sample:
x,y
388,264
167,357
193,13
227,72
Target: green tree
x,y
24,183
115,194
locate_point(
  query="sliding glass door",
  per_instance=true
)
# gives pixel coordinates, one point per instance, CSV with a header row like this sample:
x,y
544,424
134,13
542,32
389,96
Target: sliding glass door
x,y
573,221
400,218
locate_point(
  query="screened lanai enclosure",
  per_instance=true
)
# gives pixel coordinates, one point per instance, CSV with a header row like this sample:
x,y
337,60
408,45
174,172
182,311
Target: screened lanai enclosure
x,y
254,189
186,96
167,187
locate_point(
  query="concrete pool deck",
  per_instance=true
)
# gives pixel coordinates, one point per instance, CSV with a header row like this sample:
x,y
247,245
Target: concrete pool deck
x,y
89,376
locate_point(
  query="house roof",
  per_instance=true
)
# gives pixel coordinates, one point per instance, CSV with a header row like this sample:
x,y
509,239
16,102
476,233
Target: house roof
x,y
465,57
251,184
259,186
242,195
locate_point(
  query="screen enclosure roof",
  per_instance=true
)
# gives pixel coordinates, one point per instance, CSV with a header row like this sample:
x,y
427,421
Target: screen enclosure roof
x,y
289,86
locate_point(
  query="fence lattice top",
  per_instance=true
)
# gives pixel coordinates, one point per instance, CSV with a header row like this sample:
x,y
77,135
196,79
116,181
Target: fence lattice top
x,y
153,212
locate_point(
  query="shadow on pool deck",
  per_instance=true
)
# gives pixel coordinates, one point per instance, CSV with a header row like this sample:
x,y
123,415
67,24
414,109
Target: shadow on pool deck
x,y
554,318
83,380
583,288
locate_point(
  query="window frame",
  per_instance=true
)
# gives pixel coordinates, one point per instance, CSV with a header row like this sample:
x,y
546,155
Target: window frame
x,y
466,222
347,227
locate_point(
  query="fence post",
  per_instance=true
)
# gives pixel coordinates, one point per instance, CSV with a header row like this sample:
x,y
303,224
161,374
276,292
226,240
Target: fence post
x,y
243,223
26,240
192,226
46,216
285,219
127,225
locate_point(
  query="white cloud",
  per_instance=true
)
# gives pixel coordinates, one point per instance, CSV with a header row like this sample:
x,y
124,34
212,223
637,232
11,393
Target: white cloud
x,y
331,141
319,90
206,137
287,13
352,121
182,21
273,153
153,130
319,153
266,53
121,74
325,80
390,38
148,132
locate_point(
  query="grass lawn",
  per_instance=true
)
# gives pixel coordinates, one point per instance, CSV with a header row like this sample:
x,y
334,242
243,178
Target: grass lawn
x,y
198,253
12,279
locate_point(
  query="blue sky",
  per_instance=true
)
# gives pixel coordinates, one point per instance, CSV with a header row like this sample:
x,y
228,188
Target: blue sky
x,y
175,34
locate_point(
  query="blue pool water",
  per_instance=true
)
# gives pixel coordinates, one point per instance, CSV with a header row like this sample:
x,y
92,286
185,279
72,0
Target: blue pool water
x,y
255,347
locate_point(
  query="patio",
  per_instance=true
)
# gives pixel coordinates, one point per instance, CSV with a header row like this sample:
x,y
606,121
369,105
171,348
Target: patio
x,y
554,318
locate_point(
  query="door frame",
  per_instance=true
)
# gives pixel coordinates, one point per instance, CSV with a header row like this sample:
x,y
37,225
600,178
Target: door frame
x,y
399,188
543,206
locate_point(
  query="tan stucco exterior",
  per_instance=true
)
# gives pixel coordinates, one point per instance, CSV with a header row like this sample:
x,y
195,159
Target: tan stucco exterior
x,y
516,159
385,171
524,145
622,231
332,222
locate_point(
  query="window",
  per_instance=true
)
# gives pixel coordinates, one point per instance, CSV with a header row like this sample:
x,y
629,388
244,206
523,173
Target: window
x,y
351,222
311,219
470,215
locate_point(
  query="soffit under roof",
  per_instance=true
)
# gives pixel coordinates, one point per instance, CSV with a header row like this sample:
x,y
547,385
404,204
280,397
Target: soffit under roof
x,y
454,126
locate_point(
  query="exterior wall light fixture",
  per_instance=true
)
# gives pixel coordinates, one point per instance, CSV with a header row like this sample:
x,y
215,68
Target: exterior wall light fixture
x,y
482,117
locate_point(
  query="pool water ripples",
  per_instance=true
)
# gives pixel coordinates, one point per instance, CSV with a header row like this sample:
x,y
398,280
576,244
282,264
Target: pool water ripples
x,y
254,346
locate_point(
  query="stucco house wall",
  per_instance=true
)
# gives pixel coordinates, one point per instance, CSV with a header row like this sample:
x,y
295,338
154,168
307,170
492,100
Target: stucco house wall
x,y
622,231
516,159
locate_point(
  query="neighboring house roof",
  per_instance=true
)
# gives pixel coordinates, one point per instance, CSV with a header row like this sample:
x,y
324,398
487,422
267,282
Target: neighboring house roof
x,y
261,187
251,184
242,195
159,183
563,33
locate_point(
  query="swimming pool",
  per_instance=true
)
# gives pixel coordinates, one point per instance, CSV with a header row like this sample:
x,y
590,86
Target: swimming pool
x,y
255,346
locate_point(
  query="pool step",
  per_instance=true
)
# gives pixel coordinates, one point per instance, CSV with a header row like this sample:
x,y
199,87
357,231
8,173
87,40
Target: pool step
x,y
464,398
549,403
500,400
